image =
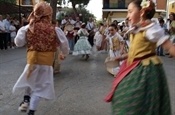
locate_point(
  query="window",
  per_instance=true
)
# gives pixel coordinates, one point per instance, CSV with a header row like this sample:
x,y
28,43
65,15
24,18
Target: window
x,y
106,4
27,2
173,5
121,4
113,3
118,4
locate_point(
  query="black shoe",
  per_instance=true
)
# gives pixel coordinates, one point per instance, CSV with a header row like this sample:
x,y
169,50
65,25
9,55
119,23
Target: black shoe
x,y
161,55
31,112
87,57
83,56
24,105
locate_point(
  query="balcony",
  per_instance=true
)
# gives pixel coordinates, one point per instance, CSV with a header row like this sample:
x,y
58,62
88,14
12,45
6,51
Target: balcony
x,y
26,2
115,5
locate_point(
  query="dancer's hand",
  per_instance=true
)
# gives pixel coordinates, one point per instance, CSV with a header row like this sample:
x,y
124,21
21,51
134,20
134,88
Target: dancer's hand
x,y
118,58
62,57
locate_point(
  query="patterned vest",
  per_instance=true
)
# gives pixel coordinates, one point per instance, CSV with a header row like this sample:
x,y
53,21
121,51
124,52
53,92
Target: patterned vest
x,y
41,44
43,39
116,44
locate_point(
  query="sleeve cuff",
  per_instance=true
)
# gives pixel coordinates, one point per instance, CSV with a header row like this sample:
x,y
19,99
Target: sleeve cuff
x,y
162,40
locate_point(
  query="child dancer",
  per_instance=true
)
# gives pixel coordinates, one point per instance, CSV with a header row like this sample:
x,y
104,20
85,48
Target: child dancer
x,y
41,39
99,37
82,47
58,56
140,87
115,49
57,60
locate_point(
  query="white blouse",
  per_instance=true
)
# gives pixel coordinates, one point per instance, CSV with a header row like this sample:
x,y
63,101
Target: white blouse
x,y
154,33
20,39
42,75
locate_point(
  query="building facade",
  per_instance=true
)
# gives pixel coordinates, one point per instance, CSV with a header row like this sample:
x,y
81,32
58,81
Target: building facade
x,y
171,6
117,9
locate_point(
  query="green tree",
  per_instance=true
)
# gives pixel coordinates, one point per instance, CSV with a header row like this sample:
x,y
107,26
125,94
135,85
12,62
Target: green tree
x,y
80,3
53,4
83,13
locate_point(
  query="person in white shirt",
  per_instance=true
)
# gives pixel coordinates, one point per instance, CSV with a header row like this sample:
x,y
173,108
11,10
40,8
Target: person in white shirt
x,y
6,21
90,27
12,30
59,16
77,26
78,22
90,24
67,20
3,40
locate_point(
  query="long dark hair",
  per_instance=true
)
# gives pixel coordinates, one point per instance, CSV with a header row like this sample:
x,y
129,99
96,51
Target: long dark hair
x,y
137,3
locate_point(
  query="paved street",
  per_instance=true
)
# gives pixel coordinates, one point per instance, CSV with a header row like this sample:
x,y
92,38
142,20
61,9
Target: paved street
x,y
80,87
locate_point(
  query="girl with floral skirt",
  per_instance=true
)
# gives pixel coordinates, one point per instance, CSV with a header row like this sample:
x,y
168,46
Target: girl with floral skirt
x,y
82,47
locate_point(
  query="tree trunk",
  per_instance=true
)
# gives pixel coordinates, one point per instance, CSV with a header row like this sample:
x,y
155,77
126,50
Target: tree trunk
x,y
75,10
53,4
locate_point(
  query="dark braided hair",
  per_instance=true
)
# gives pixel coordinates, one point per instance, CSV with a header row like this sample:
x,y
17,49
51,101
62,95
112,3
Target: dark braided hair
x,y
149,13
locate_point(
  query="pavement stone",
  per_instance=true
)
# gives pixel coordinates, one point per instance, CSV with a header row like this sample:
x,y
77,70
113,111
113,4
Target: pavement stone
x,y
80,87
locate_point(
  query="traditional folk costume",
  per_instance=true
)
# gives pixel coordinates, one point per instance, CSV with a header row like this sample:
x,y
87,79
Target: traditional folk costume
x,y
140,87
90,27
114,51
57,61
99,39
172,31
58,56
41,39
82,47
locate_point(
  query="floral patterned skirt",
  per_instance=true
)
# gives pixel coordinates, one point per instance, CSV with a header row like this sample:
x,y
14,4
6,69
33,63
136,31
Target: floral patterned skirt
x,y
82,46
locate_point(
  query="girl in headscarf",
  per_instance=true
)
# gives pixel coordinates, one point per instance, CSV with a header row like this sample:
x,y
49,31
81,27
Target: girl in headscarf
x,y
41,39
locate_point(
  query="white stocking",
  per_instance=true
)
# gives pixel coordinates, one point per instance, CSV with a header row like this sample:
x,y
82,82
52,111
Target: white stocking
x,y
34,101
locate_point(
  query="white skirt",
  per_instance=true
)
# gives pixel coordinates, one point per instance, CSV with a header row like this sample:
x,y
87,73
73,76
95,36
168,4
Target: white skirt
x,y
82,46
40,81
98,39
113,66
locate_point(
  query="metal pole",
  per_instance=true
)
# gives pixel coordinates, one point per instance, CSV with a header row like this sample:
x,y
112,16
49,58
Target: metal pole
x,y
167,9
19,1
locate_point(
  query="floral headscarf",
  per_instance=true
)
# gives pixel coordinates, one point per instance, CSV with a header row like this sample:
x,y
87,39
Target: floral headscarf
x,y
41,10
147,5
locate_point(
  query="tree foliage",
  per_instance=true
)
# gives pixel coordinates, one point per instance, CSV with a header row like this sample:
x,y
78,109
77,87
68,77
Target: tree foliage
x,y
53,4
80,3
9,1
83,13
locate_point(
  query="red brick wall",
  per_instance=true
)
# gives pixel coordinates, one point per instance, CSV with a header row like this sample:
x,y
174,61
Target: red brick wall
x,y
161,4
